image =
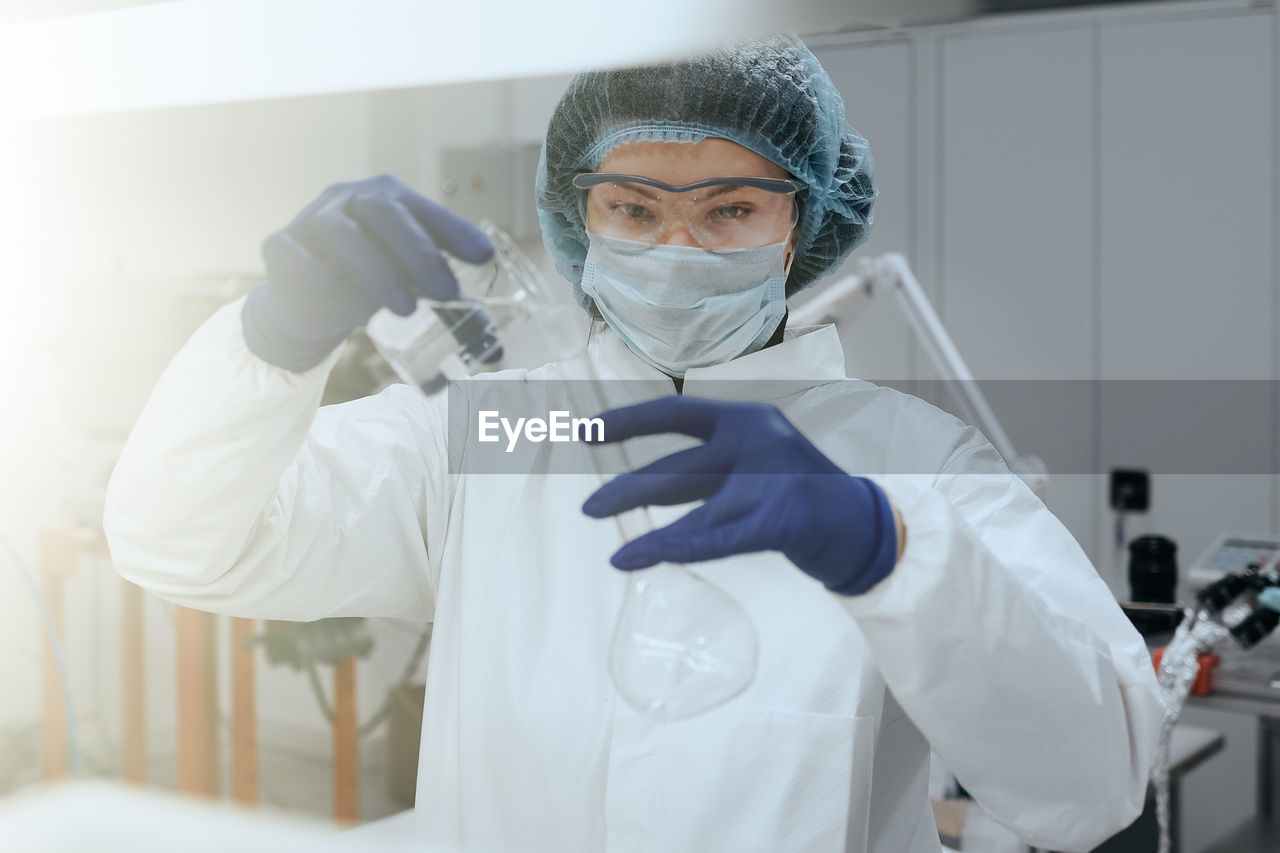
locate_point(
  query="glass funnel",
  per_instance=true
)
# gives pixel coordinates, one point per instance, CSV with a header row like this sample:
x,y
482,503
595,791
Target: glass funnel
x,y
680,645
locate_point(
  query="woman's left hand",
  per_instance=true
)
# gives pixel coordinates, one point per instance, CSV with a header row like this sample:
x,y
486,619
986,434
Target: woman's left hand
x,y
765,487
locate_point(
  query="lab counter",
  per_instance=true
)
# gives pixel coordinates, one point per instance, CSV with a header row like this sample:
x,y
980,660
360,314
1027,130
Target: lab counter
x,y
1249,683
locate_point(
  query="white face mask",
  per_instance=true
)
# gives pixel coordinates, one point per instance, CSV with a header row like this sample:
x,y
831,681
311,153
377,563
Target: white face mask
x,y
679,307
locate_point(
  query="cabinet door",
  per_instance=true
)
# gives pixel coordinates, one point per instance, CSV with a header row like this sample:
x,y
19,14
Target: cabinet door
x,y
1186,188
875,82
1017,206
1017,245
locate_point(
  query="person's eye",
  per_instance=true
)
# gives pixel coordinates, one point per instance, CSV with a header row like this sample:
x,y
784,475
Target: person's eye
x,y
729,213
630,210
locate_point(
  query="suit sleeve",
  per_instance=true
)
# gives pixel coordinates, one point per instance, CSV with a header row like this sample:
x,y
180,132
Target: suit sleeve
x,y
997,637
236,493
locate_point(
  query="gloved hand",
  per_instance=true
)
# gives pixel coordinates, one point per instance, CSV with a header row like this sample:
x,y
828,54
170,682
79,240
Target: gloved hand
x,y
357,248
765,487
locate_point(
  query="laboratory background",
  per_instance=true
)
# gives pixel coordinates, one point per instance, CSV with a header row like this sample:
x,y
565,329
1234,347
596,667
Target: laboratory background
x,y
1085,198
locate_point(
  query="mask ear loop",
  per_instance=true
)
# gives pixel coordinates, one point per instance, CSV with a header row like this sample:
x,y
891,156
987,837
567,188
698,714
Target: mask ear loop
x,y
790,261
596,317
791,253
594,312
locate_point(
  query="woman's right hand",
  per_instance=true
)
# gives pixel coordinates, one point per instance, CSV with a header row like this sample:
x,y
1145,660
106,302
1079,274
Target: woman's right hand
x,y
357,248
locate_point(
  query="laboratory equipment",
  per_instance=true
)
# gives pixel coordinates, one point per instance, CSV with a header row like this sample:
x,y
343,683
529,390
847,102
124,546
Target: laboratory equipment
x,y
1229,618
1153,569
680,645
1228,559
1234,600
485,327
1130,490
1231,553
1129,493
1153,581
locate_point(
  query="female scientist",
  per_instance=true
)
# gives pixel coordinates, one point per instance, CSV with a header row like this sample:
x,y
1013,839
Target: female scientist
x,y
684,203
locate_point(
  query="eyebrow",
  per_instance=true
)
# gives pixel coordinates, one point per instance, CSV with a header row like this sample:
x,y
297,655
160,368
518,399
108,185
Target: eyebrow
x,y
720,189
638,189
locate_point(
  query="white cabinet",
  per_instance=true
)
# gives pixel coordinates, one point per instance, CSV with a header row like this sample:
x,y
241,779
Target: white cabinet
x,y
1187,236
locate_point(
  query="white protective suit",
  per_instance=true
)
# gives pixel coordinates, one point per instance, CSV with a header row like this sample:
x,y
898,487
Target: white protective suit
x,y
993,640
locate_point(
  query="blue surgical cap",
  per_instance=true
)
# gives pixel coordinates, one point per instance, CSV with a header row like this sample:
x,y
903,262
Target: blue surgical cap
x,y
769,95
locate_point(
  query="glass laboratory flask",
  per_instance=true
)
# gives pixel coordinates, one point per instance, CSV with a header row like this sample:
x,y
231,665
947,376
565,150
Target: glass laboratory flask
x,y
680,644
504,315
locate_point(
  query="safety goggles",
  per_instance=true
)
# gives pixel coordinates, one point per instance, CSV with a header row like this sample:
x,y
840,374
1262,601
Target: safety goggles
x,y
721,213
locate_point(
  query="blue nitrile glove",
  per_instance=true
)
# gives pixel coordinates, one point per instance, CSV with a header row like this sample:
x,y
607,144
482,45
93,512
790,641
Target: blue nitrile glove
x,y
764,486
357,248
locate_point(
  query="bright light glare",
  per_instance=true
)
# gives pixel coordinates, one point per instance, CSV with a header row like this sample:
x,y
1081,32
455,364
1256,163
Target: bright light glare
x,y
210,51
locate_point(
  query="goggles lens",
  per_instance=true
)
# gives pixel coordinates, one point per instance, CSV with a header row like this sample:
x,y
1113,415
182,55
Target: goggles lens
x,y
726,213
